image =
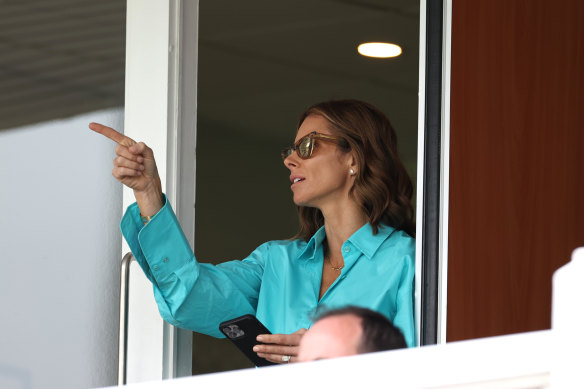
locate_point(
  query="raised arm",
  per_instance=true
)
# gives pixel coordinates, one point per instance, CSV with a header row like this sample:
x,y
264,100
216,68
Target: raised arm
x,y
135,167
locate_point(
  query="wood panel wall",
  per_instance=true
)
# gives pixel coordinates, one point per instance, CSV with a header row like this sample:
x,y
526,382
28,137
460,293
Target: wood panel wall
x,y
517,161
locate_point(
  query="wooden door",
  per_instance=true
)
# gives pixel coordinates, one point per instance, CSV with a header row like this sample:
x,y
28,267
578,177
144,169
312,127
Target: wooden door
x,y
517,161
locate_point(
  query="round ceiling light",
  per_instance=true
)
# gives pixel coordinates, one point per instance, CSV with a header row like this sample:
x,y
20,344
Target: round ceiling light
x,y
379,50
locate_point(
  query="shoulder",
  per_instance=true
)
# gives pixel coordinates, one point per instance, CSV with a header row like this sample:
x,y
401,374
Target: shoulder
x,y
402,239
400,246
279,248
290,245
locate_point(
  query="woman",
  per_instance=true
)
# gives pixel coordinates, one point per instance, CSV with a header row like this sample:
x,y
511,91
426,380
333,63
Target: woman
x,y
355,245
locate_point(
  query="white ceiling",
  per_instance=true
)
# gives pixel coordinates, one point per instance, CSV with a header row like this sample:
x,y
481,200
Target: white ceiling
x,y
262,62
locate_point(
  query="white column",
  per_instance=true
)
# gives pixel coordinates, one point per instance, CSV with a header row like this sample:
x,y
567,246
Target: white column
x,y
161,68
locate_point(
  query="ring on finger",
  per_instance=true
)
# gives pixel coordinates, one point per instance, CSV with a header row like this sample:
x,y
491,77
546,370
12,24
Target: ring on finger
x,y
286,358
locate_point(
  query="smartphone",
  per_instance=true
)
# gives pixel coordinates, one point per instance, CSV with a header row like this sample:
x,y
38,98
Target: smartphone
x,y
242,332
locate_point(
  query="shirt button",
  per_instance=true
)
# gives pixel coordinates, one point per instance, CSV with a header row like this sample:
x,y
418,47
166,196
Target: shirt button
x,y
155,267
165,260
347,249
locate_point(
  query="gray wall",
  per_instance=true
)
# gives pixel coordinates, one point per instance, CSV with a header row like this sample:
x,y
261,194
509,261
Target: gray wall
x,y
59,254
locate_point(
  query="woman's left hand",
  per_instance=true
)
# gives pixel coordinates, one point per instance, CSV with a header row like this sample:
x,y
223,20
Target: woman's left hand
x,y
279,348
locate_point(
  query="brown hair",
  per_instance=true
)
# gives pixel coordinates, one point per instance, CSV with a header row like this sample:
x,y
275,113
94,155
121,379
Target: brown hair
x,y
382,186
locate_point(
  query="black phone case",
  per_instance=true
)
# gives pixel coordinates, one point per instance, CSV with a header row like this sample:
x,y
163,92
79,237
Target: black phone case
x,y
251,328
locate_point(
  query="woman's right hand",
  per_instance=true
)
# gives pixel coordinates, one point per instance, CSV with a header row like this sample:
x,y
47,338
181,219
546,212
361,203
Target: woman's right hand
x,y
135,167
279,348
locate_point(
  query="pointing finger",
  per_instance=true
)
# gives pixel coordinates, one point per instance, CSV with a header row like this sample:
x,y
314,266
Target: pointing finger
x,y
112,134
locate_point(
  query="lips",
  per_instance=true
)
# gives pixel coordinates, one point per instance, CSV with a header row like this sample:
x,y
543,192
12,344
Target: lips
x,y
294,179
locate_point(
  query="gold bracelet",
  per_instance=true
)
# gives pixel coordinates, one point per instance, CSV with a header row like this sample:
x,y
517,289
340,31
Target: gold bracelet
x,y
145,219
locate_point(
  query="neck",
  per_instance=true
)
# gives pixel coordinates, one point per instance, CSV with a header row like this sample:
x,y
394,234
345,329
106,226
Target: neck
x,y
340,222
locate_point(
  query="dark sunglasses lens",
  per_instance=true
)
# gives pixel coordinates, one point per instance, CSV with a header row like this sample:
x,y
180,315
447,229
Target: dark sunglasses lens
x,y
305,148
286,152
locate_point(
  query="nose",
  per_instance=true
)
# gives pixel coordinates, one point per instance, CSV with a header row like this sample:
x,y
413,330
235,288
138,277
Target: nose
x,y
291,161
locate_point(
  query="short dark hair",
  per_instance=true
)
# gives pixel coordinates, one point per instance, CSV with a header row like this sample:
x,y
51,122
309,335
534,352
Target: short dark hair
x,y
378,333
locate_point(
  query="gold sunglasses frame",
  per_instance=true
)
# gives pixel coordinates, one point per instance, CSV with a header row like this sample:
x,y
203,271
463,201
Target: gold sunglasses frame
x,y
312,136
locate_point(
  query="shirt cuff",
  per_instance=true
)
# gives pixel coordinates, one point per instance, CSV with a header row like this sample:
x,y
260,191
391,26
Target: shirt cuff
x,y
150,259
131,225
163,243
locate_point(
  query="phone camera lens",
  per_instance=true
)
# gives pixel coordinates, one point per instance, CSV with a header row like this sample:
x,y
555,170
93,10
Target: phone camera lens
x,y
233,331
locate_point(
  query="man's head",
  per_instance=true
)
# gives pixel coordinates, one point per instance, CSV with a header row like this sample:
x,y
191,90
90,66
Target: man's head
x,y
349,331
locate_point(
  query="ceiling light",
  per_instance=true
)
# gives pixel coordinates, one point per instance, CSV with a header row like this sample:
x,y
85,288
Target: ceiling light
x,y
379,50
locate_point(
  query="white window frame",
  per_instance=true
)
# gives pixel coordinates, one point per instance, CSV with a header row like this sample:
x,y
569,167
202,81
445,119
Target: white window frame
x,y
160,109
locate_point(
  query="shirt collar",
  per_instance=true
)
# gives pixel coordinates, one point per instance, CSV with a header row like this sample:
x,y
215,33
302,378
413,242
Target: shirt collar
x,y
363,239
313,244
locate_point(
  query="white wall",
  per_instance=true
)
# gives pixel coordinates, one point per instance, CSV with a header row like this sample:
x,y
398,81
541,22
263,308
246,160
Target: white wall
x,y
519,361
59,255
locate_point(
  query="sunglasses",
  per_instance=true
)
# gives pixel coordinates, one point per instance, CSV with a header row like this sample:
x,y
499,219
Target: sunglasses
x,y
305,145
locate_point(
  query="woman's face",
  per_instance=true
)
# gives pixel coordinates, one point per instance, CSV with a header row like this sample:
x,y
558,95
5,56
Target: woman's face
x,y
325,177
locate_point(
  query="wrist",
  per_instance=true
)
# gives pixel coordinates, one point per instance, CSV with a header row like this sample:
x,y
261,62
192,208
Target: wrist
x,y
149,201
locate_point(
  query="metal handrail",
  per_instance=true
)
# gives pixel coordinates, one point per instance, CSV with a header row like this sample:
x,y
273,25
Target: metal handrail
x,y
124,306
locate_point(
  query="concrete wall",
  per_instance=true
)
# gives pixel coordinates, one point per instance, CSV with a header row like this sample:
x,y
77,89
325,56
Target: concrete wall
x,y
59,255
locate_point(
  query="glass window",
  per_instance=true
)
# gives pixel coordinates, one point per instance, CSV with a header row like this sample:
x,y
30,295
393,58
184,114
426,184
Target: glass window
x,y
261,64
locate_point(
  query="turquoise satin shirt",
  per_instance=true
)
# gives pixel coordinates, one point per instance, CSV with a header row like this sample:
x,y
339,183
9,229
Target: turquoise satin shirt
x,y
279,282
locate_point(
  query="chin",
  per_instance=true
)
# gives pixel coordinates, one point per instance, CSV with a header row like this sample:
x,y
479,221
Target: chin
x,y
300,202
304,203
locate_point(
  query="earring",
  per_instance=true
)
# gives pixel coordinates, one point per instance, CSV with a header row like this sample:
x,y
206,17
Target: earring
x,y
352,171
